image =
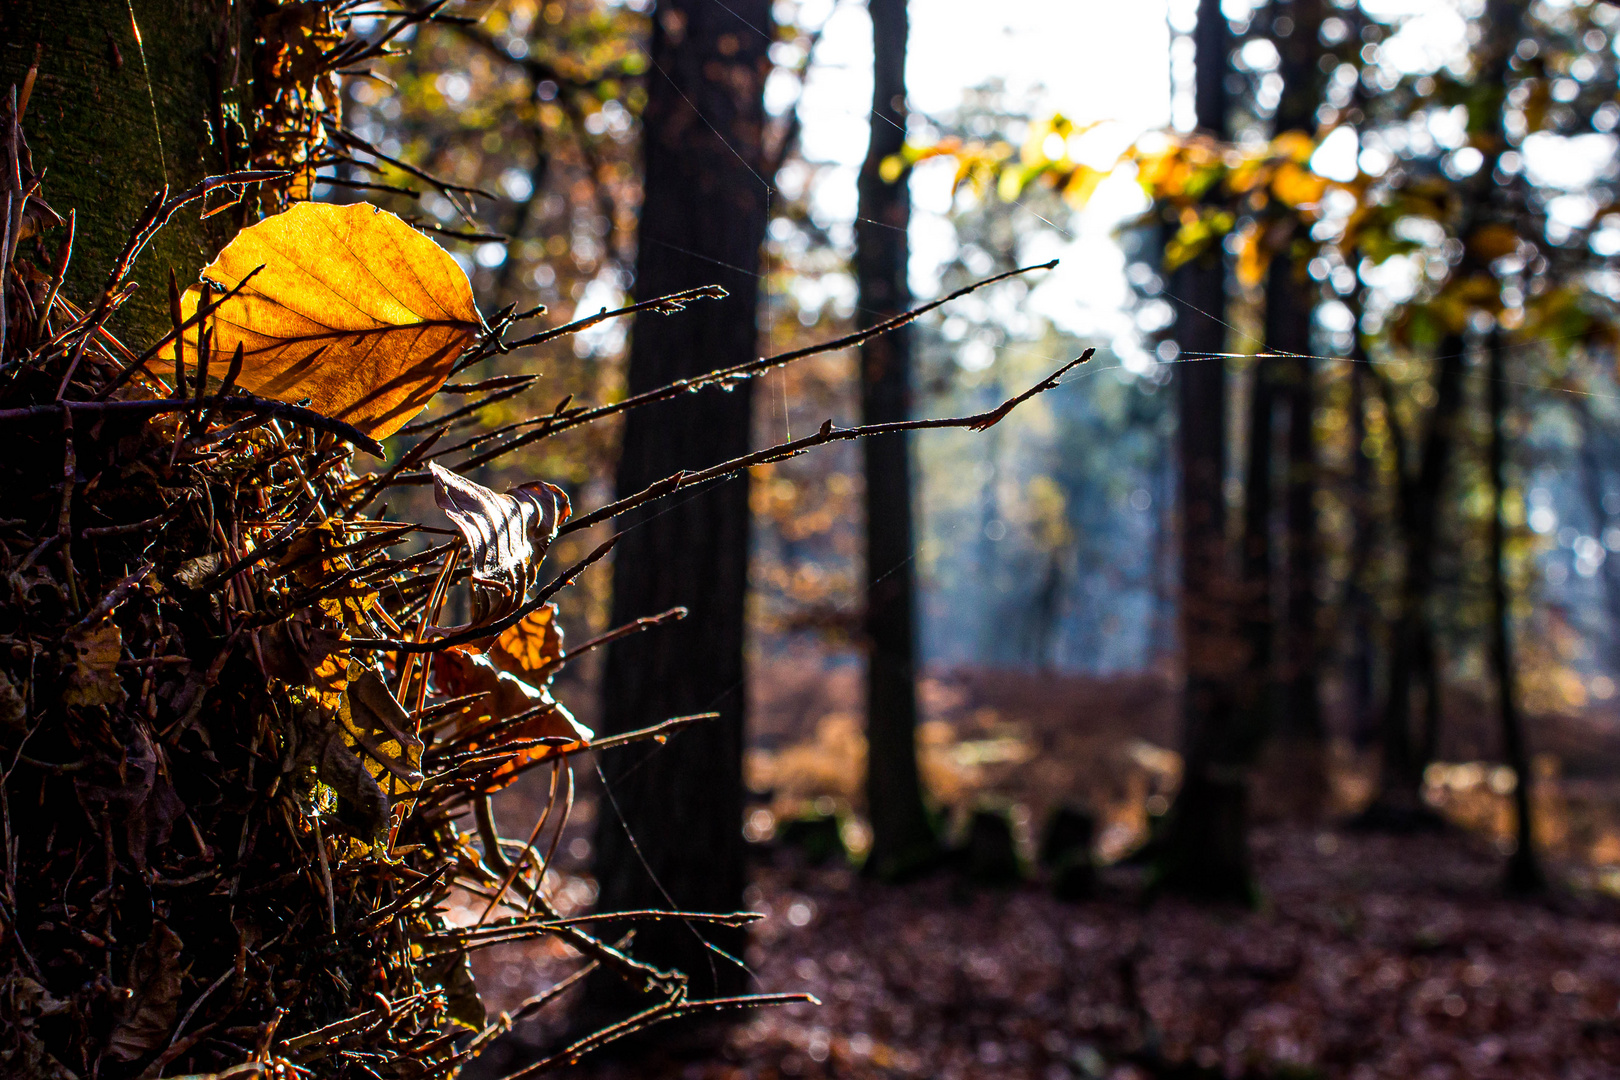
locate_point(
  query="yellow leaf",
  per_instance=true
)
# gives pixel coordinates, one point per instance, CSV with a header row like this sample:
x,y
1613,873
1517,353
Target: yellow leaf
x,y
1083,184
374,723
354,310
1296,146
93,677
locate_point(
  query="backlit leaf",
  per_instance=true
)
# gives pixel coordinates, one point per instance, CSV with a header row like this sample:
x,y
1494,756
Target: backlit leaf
x,y
507,536
531,647
354,310
380,731
1297,187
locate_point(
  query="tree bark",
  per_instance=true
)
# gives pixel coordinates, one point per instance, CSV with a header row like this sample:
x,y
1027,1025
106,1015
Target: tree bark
x,y
1205,849
111,119
1412,661
1291,299
903,838
1524,871
702,221
1414,656
1259,573
1359,678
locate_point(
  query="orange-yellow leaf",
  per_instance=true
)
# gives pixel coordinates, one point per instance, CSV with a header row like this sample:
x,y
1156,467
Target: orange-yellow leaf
x,y
1253,259
461,671
532,646
354,310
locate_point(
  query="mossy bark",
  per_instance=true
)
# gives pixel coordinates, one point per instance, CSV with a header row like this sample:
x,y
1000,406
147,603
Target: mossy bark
x,y
125,99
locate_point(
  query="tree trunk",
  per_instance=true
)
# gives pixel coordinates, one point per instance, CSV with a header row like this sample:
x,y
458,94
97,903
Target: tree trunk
x,y
1524,871
1291,299
1412,660
1414,656
1592,458
902,836
113,117
1205,849
1259,578
1359,678
679,842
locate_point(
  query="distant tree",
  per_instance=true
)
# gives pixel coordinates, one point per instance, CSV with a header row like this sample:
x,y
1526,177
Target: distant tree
x,y
903,837
702,221
1291,297
1414,661
1205,848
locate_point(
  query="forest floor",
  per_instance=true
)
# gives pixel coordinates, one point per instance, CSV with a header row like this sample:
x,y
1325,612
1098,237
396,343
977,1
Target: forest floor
x,y
1368,956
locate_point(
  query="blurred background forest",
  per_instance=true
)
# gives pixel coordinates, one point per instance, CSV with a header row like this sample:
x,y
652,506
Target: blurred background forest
x,y
1304,593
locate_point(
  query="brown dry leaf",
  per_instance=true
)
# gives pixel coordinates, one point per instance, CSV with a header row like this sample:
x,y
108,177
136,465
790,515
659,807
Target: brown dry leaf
x,y
462,671
507,536
154,976
1493,241
354,310
533,646
94,679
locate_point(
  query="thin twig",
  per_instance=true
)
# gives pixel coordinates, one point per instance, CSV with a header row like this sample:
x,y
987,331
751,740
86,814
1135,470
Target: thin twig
x,y
241,403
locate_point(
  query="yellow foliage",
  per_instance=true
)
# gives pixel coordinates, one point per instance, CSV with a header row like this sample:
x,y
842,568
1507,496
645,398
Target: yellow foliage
x,y
1297,187
1252,257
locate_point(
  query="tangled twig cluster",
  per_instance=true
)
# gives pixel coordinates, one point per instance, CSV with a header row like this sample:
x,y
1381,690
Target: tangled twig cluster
x,y
235,740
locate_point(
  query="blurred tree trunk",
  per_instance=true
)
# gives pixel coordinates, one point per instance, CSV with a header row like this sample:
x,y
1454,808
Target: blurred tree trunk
x,y
1259,574
1359,679
903,838
702,221
1592,458
111,119
1295,716
1524,871
1205,847
1414,657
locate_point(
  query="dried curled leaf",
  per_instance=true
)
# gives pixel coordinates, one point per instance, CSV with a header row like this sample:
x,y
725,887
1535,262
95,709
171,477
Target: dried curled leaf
x,y
353,309
507,536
